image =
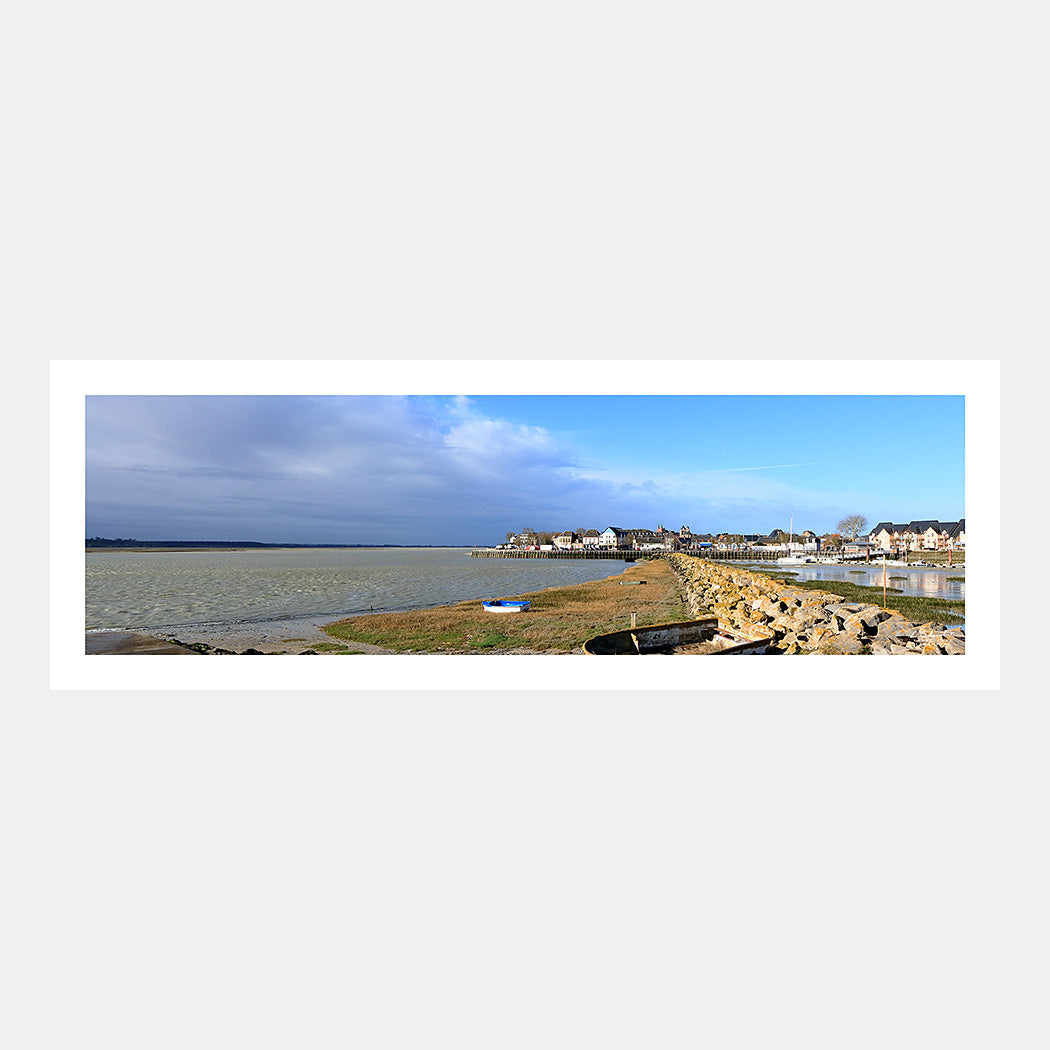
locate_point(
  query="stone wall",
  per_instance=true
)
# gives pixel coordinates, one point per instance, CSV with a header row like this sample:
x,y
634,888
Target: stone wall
x,y
805,621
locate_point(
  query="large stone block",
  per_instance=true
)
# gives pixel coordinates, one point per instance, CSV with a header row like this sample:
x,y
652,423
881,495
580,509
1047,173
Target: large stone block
x,y
819,633
810,616
865,622
887,648
895,626
782,625
843,645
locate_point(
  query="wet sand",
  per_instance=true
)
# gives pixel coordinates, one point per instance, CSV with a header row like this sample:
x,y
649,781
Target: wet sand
x,y
268,636
109,643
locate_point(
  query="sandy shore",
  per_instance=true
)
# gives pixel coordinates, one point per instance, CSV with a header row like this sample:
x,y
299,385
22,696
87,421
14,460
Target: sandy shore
x,y
270,637
267,636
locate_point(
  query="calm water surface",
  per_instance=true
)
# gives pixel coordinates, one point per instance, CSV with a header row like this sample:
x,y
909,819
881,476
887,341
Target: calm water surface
x,y
921,582
141,589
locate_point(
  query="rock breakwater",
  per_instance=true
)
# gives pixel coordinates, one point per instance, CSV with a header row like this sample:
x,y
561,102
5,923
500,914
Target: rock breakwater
x,y
808,622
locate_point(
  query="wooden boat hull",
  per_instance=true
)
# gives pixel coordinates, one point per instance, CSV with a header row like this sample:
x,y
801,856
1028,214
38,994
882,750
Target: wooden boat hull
x,y
706,637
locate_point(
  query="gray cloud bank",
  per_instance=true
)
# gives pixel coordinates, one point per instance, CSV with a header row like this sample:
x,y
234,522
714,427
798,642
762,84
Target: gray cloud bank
x,y
364,469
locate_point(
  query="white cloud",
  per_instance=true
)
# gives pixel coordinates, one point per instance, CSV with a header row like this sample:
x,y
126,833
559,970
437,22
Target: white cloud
x,y
485,439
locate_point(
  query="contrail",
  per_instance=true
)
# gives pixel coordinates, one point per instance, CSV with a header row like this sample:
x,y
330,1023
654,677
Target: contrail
x,y
771,466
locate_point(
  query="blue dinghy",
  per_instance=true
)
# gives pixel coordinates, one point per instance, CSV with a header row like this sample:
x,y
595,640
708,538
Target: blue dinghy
x,y
501,605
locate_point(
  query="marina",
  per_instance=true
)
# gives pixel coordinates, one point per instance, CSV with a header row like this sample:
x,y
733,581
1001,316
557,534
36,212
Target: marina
x,y
917,578
771,554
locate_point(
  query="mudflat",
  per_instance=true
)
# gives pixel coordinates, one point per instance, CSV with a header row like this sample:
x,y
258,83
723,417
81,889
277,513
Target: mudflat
x,y
109,643
269,637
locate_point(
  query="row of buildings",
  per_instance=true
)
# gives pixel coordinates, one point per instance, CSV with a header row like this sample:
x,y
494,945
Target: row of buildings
x,y
919,536
617,538
886,536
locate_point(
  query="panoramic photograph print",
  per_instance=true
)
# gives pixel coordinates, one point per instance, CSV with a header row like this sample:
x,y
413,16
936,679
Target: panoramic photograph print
x,y
525,524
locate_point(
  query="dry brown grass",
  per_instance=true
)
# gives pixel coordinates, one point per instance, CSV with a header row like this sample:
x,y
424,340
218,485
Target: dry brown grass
x,y
559,620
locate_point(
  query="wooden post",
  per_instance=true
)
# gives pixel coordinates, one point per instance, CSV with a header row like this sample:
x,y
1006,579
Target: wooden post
x,y
884,581
632,620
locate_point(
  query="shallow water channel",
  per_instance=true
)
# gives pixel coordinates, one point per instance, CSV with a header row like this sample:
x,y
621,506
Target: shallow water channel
x,y
922,582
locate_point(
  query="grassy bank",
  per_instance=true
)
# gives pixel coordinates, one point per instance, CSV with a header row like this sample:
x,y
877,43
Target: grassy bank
x,y
559,620
913,607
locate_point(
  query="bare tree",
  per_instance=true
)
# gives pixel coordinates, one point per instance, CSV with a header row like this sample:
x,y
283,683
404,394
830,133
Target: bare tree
x,y
852,525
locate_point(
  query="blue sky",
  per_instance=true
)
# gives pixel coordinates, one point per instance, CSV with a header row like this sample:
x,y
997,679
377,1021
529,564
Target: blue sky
x,y
465,470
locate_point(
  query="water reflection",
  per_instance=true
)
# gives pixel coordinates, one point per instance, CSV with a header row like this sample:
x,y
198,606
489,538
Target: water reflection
x,y
922,583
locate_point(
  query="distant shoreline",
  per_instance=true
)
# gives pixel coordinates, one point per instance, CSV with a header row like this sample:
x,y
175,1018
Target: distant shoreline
x,y
191,546
289,634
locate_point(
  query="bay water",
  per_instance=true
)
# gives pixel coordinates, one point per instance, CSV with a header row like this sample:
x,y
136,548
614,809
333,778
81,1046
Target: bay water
x,y
150,589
